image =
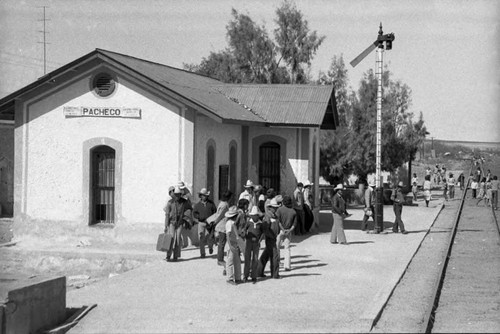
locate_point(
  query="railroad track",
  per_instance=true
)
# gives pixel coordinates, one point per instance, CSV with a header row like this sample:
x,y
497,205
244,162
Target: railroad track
x,y
467,296
452,283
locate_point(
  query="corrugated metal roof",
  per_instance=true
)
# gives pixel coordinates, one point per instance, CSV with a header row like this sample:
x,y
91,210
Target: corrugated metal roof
x,y
284,104
294,105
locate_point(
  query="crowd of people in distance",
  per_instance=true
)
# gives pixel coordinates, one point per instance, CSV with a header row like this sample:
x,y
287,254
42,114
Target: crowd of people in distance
x,y
236,230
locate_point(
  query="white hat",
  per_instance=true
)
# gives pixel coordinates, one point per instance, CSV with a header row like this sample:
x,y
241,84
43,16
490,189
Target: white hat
x,y
371,183
233,211
249,184
400,184
181,185
204,192
177,190
255,211
339,186
308,183
273,203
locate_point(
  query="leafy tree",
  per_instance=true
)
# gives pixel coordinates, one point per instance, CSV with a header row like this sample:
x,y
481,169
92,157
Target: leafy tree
x,y
296,44
252,57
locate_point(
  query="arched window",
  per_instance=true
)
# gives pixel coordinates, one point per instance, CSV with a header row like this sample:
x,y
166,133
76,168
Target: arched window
x,y
269,165
211,167
232,168
103,185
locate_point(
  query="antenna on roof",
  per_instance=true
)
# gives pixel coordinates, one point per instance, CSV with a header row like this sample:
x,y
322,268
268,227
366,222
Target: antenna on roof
x,y
44,32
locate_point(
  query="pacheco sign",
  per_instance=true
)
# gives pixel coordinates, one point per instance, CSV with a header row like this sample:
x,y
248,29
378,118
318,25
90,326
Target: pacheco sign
x,y
102,112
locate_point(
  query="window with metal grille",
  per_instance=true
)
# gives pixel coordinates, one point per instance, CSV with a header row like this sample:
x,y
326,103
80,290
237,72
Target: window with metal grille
x,y
223,179
210,168
103,185
269,165
103,84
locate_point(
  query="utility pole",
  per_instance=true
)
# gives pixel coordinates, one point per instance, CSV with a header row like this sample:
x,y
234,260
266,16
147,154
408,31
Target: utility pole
x,y
44,32
379,192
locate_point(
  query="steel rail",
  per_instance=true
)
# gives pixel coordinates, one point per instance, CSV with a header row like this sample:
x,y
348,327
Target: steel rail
x,y
430,314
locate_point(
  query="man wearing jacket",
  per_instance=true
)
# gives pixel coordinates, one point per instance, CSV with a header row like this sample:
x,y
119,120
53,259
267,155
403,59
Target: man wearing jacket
x,y
271,229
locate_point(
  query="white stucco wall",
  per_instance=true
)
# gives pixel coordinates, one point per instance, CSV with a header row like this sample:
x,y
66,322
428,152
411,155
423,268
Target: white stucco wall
x,y
52,161
293,169
222,134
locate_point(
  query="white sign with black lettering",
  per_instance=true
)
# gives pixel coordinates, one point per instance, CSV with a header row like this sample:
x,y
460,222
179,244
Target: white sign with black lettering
x,y
102,112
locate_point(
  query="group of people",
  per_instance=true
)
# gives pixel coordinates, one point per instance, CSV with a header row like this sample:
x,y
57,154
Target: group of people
x,y
259,214
339,212
485,187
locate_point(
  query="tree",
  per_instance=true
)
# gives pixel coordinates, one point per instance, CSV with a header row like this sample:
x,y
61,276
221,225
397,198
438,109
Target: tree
x,y
401,137
296,44
252,57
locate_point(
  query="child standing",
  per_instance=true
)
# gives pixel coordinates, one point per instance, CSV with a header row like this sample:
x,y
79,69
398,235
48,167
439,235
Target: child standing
x,y
253,233
414,186
482,191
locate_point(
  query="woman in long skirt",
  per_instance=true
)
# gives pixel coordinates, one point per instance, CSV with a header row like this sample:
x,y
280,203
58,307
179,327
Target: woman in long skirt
x,y
339,213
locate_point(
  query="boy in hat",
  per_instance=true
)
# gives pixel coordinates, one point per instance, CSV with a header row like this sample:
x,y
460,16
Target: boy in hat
x,y
201,211
398,199
339,212
271,230
253,233
233,256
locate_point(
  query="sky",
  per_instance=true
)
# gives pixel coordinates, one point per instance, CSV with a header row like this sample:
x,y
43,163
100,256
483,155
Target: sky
x,y
447,52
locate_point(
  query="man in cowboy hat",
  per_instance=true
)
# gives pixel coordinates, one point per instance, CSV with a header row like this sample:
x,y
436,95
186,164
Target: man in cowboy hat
x,y
233,265
339,213
271,230
252,232
398,199
298,205
287,219
201,211
177,212
248,194
308,205
369,205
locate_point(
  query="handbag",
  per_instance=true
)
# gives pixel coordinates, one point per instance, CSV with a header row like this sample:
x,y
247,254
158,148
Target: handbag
x,y
164,241
368,212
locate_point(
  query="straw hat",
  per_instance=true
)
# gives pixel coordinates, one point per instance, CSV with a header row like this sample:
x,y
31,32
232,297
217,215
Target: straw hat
x,y
177,190
249,184
308,183
204,192
233,211
371,183
255,211
400,184
181,185
273,203
339,186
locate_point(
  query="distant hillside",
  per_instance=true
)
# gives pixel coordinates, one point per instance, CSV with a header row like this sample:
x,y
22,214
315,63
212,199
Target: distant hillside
x,y
468,145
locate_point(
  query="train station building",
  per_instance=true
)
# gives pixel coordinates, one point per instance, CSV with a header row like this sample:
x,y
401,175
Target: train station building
x,y
100,140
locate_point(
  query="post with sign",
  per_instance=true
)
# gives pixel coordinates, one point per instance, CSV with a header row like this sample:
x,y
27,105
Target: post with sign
x,y
381,42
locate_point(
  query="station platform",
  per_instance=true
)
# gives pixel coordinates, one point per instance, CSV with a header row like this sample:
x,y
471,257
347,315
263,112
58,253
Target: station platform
x,y
331,287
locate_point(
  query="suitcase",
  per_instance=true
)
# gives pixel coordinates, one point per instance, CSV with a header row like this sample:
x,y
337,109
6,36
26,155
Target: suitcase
x,y
163,243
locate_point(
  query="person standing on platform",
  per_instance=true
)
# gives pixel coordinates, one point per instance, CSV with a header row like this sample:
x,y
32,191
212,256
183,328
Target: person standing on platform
x,y
369,205
271,231
461,180
220,227
451,186
427,190
339,212
233,256
287,219
308,206
298,205
186,230
495,185
414,186
270,194
248,194
253,232
398,199
201,211
177,213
